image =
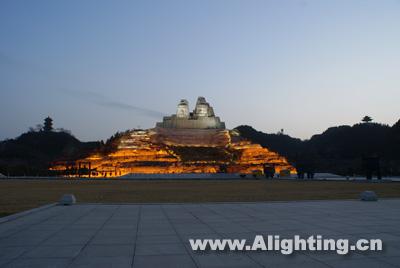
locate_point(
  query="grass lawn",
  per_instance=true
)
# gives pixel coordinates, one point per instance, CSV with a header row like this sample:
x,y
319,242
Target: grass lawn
x,y
19,195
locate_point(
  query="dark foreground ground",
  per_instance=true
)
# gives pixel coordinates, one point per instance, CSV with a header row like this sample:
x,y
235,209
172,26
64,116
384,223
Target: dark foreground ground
x,y
19,195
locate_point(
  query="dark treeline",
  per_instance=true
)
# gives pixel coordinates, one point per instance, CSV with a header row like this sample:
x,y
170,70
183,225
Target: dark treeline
x,y
338,150
31,153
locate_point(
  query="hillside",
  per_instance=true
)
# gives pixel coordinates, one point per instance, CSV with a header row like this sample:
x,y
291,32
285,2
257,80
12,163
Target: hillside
x,y
31,153
338,149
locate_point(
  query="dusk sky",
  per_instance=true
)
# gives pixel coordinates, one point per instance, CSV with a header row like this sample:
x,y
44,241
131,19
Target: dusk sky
x,y
97,67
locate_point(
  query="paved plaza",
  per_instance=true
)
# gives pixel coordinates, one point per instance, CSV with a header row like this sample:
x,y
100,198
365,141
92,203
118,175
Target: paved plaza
x,y
156,235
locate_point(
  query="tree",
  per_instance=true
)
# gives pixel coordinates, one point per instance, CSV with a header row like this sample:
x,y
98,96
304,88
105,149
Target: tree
x,y
48,124
38,127
366,119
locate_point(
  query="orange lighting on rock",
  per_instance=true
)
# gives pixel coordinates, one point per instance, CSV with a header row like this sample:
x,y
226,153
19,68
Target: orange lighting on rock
x,y
179,151
170,147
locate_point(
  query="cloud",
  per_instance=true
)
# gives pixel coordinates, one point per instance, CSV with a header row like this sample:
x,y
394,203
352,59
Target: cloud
x,y
101,100
124,106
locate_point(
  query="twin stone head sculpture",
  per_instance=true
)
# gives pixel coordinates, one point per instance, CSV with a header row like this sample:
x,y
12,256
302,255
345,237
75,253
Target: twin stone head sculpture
x,y
202,117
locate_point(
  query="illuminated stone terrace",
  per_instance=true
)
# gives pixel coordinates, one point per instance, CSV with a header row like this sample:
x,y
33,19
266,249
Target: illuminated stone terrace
x,y
186,142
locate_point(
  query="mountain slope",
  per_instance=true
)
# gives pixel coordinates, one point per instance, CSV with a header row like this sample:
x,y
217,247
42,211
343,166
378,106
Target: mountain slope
x,y
30,153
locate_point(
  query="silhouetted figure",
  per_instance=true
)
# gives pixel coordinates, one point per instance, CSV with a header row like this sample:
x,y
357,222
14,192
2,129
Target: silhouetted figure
x,y
300,173
378,174
223,169
310,174
269,171
371,165
349,173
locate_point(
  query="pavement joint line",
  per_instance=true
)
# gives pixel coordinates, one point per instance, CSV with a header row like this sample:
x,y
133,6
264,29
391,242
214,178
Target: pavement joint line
x,y
297,252
235,202
308,223
51,235
91,238
331,229
219,233
37,223
137,231
382,260
25,213
308,217
178,235
215,212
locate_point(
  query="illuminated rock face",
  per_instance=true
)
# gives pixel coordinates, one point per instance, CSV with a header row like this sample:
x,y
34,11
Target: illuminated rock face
x,y
182,151
171,147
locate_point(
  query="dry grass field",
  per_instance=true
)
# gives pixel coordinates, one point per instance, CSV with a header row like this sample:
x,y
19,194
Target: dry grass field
x,y
19,195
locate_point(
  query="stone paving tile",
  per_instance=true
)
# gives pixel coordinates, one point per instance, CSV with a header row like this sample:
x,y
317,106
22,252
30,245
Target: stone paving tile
x,y
46,227
22,240
113,237
67,240
212,259
247,235
102,262
7,229
53,252
272,259
164,261
157,235
332,256
3,262
157,239
395,261
365,263
121,227
192,229
388,251
156,230
7,253
107,251
160,249
185,238
39,263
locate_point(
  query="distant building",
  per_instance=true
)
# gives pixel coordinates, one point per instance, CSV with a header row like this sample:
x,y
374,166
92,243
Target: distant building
x,y
202,117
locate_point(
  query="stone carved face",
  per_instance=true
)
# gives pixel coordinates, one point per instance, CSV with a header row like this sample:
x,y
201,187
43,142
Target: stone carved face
x,y
182,111
202,110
